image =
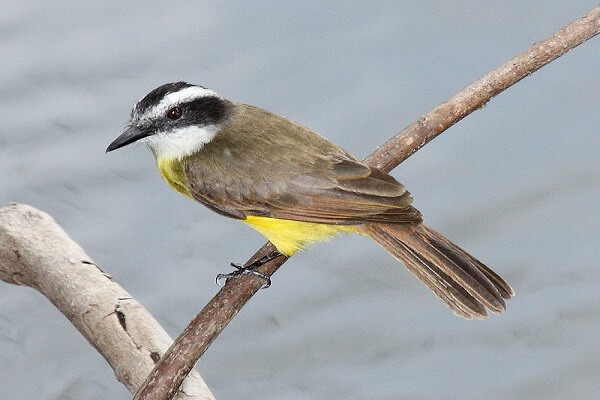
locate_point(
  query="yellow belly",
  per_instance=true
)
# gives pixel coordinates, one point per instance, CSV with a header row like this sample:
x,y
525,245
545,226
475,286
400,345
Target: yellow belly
x,y
290,236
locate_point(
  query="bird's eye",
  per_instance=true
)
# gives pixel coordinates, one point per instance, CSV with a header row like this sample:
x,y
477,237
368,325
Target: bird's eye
x,y
174,113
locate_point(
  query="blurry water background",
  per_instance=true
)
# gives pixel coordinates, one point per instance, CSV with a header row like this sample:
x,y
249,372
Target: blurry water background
x,y
517,184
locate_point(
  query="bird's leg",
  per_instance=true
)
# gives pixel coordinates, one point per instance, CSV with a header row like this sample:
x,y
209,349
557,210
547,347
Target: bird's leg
x,y
250,269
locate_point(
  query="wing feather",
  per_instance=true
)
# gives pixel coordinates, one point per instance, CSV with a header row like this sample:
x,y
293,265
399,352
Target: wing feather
x,y
247,172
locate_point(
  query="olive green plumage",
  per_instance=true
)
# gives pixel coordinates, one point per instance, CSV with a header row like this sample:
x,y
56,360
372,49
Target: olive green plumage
x,y
273,167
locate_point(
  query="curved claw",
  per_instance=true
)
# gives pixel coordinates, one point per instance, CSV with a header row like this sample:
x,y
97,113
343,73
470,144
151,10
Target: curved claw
x,y
219,277
266,278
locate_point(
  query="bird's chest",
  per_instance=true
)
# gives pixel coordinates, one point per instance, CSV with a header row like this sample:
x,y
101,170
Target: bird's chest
x,y
173,172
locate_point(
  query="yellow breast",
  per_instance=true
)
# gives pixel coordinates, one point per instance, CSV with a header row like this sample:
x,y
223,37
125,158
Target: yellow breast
x,y
173,172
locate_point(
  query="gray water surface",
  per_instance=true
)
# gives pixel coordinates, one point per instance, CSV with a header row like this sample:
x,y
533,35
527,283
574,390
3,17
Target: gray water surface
x,y
517,184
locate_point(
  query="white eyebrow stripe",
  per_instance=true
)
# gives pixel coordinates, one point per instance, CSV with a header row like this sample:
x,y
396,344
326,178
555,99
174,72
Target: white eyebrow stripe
x,y
178,97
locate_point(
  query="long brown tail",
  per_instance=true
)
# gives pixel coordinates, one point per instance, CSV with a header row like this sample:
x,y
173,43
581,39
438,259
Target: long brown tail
x,y
462,282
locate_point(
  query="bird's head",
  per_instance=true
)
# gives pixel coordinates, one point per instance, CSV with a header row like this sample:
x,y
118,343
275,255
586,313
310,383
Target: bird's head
x,y
175,120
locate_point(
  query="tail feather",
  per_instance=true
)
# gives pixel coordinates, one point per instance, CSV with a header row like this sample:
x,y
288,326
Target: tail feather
x,y
503,288
462,282
455,296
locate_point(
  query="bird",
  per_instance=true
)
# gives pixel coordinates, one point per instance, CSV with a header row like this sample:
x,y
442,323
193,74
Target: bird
x,y
297,188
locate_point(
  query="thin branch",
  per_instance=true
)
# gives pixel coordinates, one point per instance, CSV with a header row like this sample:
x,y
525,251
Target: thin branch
x,y
478,93
36,252
170,371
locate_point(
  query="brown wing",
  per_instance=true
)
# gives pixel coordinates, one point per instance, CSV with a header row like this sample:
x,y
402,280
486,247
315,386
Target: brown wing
x,y
280,169
347,192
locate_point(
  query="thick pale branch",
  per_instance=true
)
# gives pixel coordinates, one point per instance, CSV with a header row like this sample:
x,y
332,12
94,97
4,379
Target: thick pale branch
x,y
36,252
206,326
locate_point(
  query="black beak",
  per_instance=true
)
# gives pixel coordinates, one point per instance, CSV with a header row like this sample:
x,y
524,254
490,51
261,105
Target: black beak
x,y
131,134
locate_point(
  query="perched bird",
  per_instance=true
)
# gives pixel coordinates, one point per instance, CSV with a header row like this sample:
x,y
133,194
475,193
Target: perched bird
x,y
296,188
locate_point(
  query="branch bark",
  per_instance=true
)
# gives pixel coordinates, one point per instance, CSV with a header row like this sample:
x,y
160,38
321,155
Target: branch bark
x,y
172,368
36,252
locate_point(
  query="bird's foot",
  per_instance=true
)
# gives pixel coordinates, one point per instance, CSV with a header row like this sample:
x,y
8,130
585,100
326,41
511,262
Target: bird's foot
x,y
250,269
239,271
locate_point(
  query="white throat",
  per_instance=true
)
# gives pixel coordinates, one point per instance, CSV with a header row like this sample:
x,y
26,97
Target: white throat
x,y
181,142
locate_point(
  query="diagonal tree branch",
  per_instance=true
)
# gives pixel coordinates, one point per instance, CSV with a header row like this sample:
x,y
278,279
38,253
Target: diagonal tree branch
x,y
172,368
